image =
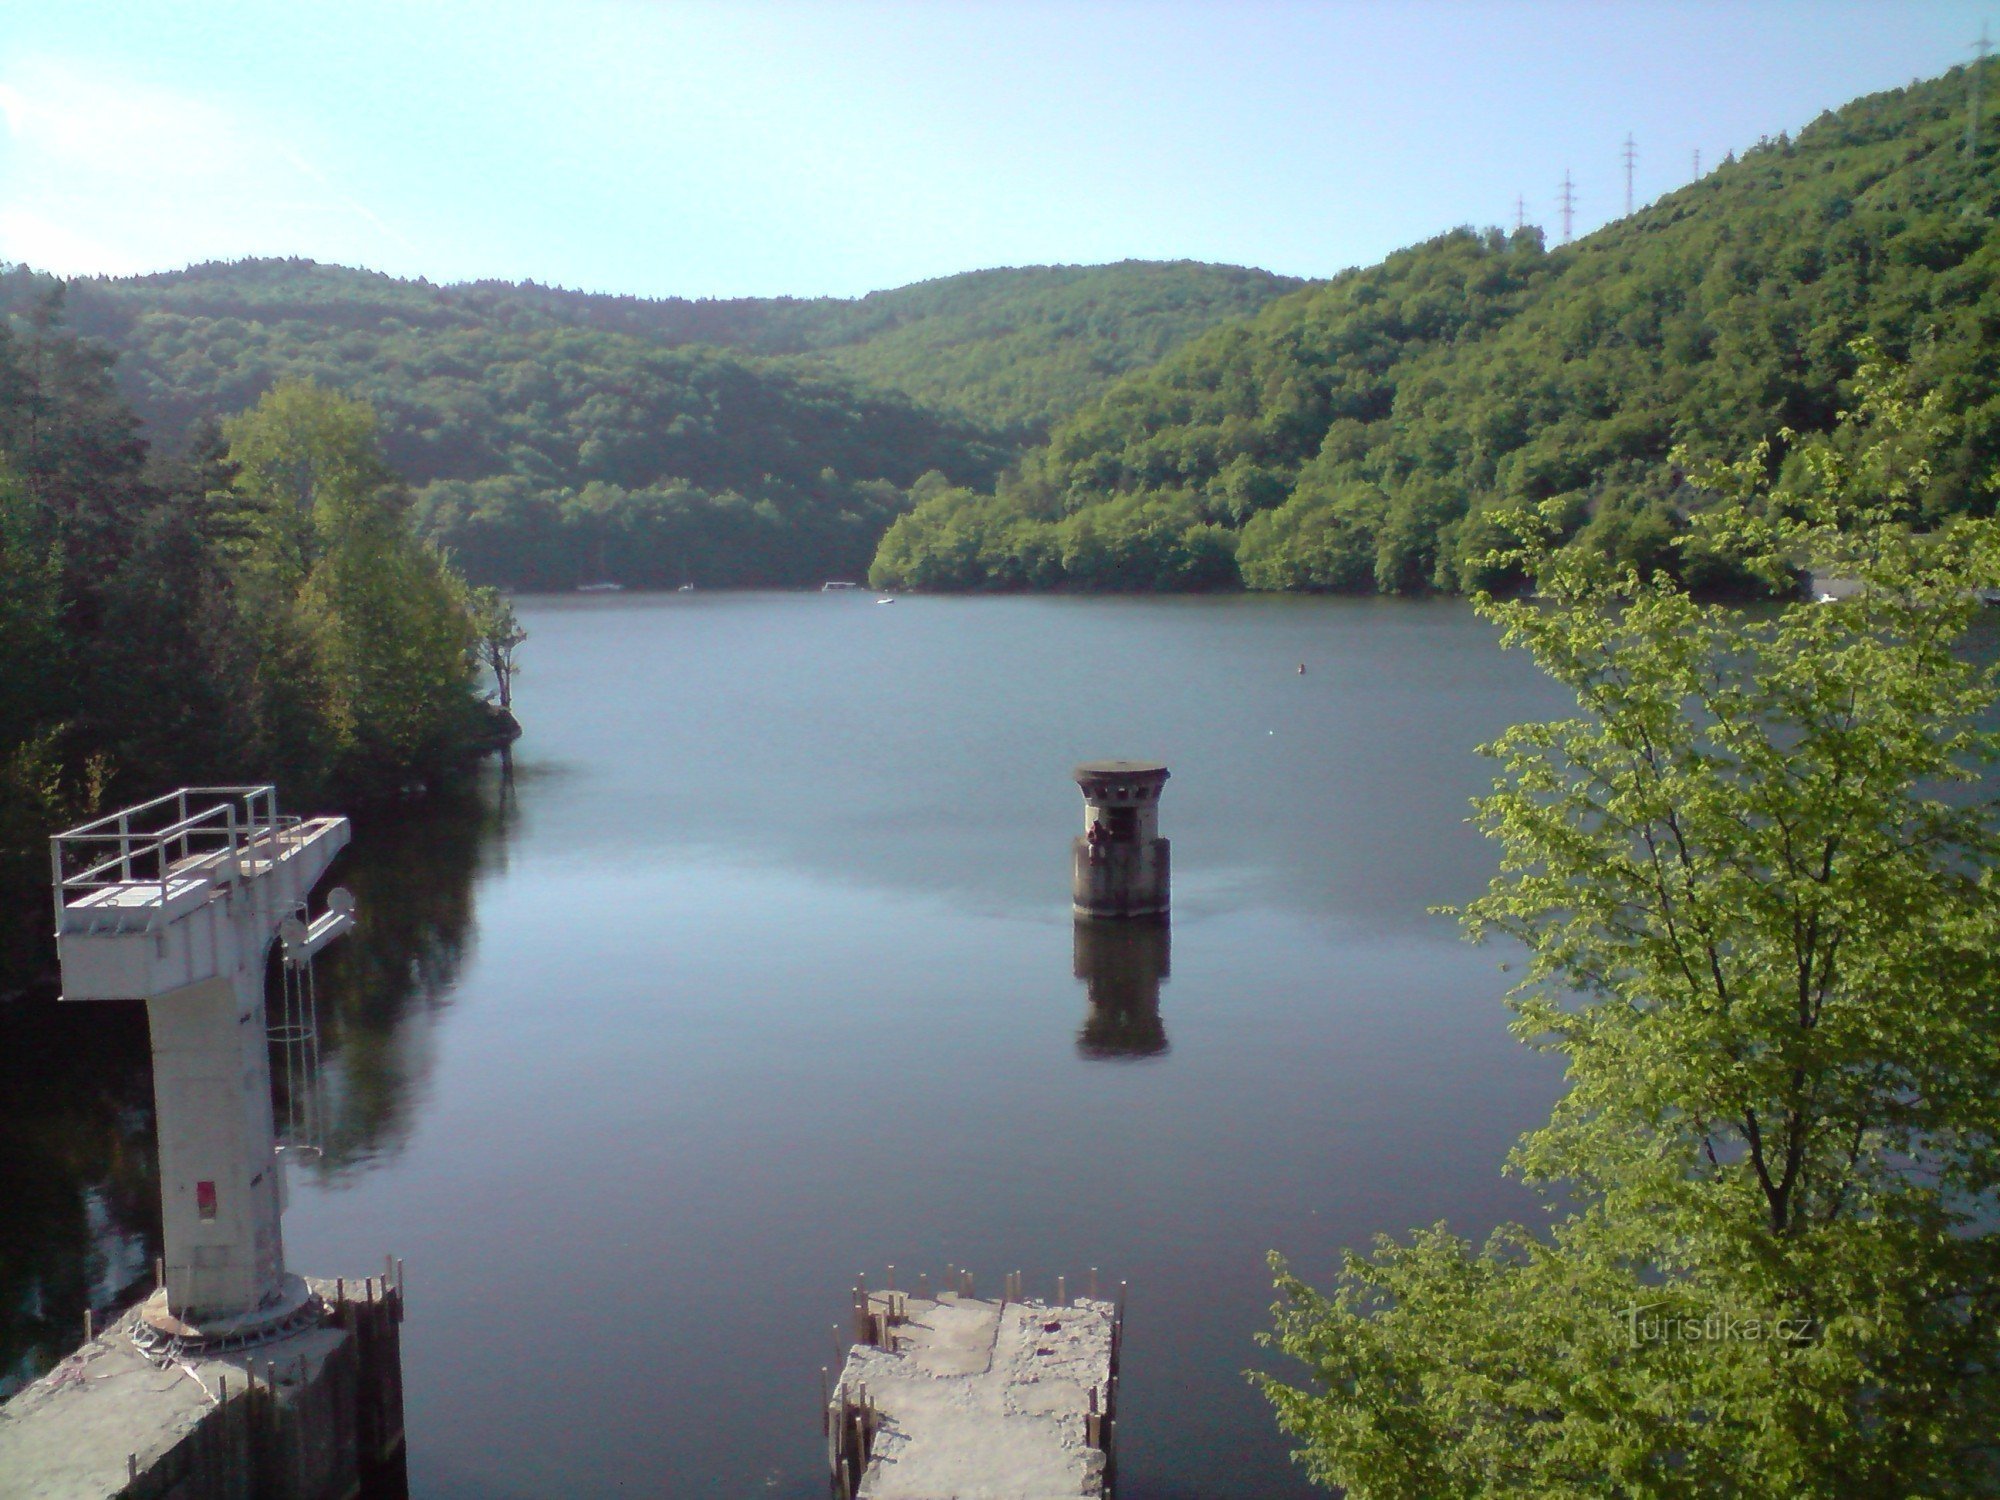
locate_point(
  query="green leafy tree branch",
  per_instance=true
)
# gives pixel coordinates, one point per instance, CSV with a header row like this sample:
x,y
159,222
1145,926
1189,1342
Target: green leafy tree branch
x,y
1754,879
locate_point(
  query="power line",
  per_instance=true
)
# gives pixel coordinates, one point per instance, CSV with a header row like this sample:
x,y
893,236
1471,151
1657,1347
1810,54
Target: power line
x,y
1568,201
1631,155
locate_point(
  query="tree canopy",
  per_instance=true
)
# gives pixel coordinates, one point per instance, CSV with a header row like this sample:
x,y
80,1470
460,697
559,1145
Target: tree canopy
x,y
1755,877
257,608
558,438
1358,435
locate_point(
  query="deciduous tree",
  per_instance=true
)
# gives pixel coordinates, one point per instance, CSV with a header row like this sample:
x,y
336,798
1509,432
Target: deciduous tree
x,y
1755,880
499,635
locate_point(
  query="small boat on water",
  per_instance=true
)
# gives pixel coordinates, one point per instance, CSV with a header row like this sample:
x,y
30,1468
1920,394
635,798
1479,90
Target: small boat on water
x,y
686,588
890,600
600,588
836,587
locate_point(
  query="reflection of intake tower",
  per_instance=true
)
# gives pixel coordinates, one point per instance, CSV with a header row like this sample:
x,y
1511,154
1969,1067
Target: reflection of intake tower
x,y
1123,964
1119,866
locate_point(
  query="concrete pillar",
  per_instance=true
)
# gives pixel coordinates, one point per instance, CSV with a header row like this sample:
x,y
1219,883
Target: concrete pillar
x,y
1119,867
220,1196
177,902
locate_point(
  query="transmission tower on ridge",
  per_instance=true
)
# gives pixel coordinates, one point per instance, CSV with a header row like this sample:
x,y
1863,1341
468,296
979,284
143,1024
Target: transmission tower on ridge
x,y
1631,155
1520,213
1697,164
1980,49
1568,201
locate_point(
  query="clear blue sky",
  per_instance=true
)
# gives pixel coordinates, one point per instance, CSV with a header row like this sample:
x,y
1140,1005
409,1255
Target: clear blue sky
x,y
755,149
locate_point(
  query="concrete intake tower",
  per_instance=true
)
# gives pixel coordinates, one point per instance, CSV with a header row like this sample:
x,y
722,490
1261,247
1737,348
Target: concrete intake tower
x,y
1119,866
237,1379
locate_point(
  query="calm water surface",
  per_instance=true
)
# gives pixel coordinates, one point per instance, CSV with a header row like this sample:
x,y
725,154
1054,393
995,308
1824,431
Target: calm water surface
x,y
759,974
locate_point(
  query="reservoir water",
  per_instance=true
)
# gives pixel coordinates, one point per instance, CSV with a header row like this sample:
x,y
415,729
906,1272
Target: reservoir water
x,y
757,972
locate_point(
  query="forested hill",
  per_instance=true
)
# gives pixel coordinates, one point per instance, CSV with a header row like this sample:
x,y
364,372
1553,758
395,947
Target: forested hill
x,y
558,437
1021,349
1353,435
1012,349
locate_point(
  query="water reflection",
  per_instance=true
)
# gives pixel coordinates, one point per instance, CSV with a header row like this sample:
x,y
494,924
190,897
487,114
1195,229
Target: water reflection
x,y
79,1195
828,831
81,1221
893,705
383,990
1123,965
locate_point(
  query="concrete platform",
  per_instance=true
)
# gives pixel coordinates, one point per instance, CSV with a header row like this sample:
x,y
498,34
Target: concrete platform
x,y
318,1413
968,1399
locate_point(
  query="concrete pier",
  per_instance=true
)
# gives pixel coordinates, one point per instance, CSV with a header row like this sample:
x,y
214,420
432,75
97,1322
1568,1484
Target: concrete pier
x,y
236,1379
1119,866
953,1395
314,1415
176,902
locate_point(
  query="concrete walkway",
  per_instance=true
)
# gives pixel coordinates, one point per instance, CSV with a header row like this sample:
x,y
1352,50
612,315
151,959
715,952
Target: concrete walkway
x,y
984,1400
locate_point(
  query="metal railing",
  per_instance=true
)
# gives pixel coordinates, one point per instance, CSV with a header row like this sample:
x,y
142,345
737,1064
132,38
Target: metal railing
x,y
145,844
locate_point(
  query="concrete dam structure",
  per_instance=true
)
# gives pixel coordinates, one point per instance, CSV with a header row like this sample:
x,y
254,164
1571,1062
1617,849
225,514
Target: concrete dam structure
x,y
313,1414
1119,864
1120,892
236,1378
948,1394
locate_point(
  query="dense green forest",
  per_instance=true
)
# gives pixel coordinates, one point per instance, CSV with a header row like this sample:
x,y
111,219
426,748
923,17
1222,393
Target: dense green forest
x,y
1355,435
256,607
559,438
1020,349
1009,349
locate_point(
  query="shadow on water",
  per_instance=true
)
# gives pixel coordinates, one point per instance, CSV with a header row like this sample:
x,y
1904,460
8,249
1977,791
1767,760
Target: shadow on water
x,y
81,1222
383,991
1123,964
80,1226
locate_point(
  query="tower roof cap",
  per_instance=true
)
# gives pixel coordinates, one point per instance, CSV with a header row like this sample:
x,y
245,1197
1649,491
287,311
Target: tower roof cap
x,y
1130,770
